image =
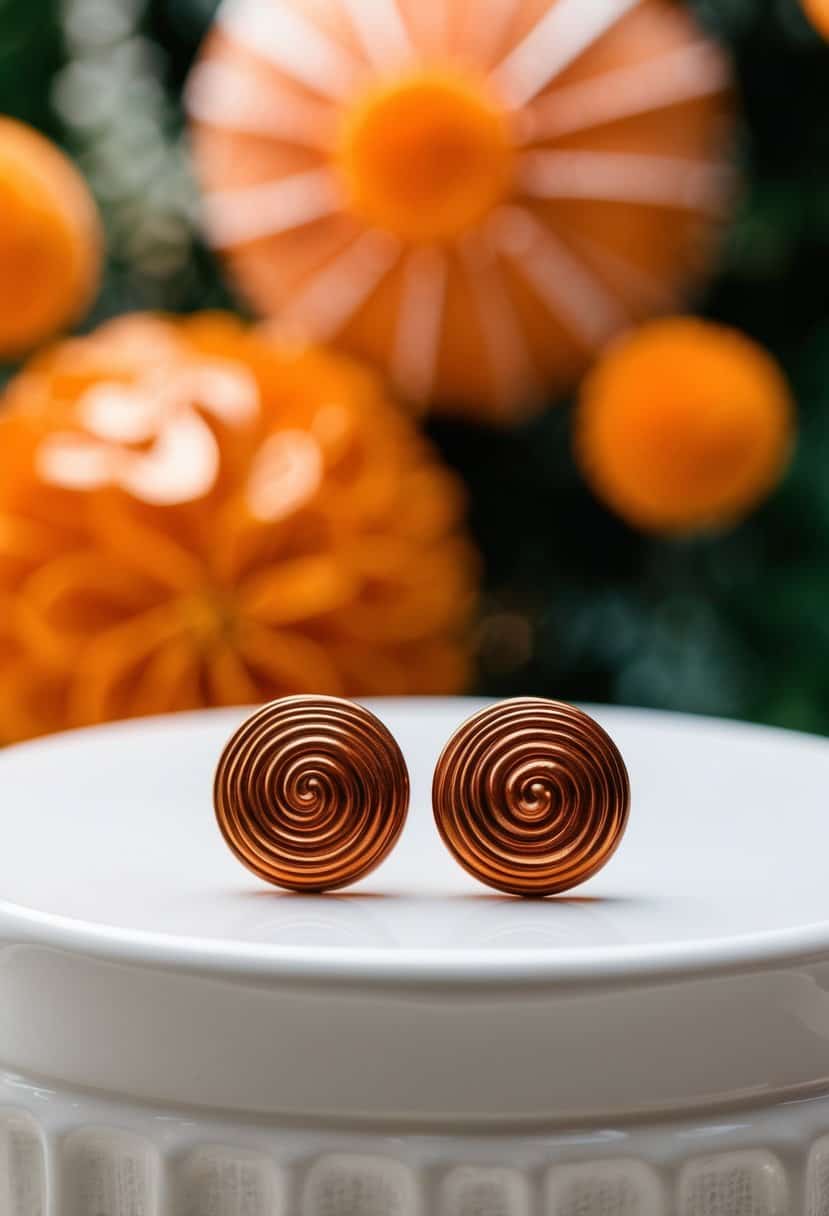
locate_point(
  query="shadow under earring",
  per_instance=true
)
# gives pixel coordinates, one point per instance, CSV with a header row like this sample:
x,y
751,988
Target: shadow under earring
x,y
311,793
531,796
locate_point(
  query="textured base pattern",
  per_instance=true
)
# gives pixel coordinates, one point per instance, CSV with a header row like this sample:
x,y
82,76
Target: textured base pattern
x,y
22,1168
224,1182
107,1172
52,1168
485,1192
359,1186
604,1188
747,1184
817,1203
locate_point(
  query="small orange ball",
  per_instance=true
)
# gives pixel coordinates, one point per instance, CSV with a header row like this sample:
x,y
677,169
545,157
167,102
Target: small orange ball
x,y
817,11
684,425
50,240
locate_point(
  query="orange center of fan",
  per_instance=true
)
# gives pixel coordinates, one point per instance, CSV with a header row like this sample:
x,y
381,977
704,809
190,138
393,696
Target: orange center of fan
x,y
425,157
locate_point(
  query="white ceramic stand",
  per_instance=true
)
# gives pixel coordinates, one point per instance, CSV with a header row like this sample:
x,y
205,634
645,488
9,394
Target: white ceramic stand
x,y
178,1040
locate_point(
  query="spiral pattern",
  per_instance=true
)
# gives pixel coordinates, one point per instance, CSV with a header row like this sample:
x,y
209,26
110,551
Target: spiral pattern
x,y
531,796
311,793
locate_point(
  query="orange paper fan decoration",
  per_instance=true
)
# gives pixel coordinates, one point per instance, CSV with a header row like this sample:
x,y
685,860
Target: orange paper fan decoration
x,y
474,196
684,425
191,515
50,240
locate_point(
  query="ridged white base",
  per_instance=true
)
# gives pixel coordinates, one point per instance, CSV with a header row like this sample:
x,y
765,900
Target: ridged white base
x,y
72,1154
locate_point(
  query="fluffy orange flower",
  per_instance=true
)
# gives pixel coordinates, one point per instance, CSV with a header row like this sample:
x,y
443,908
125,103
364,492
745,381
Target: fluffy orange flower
x,y
684,425
191,515
50,240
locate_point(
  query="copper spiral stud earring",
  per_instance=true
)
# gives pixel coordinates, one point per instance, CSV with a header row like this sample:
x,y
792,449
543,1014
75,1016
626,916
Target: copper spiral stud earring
x,y
311,793
531,796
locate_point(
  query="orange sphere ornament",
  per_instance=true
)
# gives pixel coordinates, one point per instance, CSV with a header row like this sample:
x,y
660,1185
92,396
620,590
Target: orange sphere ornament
x,y
684,425
473,197
191,515
817,12
50,240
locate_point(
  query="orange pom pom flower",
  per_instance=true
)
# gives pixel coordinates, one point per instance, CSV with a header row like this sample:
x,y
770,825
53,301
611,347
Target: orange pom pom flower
x,y
50,240
191,515
684,425
473,196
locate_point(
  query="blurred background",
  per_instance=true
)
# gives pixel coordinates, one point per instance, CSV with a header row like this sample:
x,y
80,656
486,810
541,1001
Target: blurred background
x,y
575,602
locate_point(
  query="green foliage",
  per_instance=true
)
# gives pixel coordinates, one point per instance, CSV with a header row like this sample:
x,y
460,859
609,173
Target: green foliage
x,y
576,605
735,624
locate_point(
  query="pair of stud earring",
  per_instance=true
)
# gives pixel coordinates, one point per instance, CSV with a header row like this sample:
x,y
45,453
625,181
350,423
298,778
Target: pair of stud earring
x,y
530,796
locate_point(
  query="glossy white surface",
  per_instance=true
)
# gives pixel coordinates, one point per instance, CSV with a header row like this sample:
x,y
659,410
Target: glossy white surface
x,y
138,960
110,844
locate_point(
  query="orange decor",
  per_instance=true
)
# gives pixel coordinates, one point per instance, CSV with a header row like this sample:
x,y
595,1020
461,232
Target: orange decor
x,y
473,196
531,796
684,425
50,240
311,793
818,13
192,515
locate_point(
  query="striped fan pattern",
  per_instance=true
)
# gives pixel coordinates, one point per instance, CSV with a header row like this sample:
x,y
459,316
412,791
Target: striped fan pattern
x,y
474,195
